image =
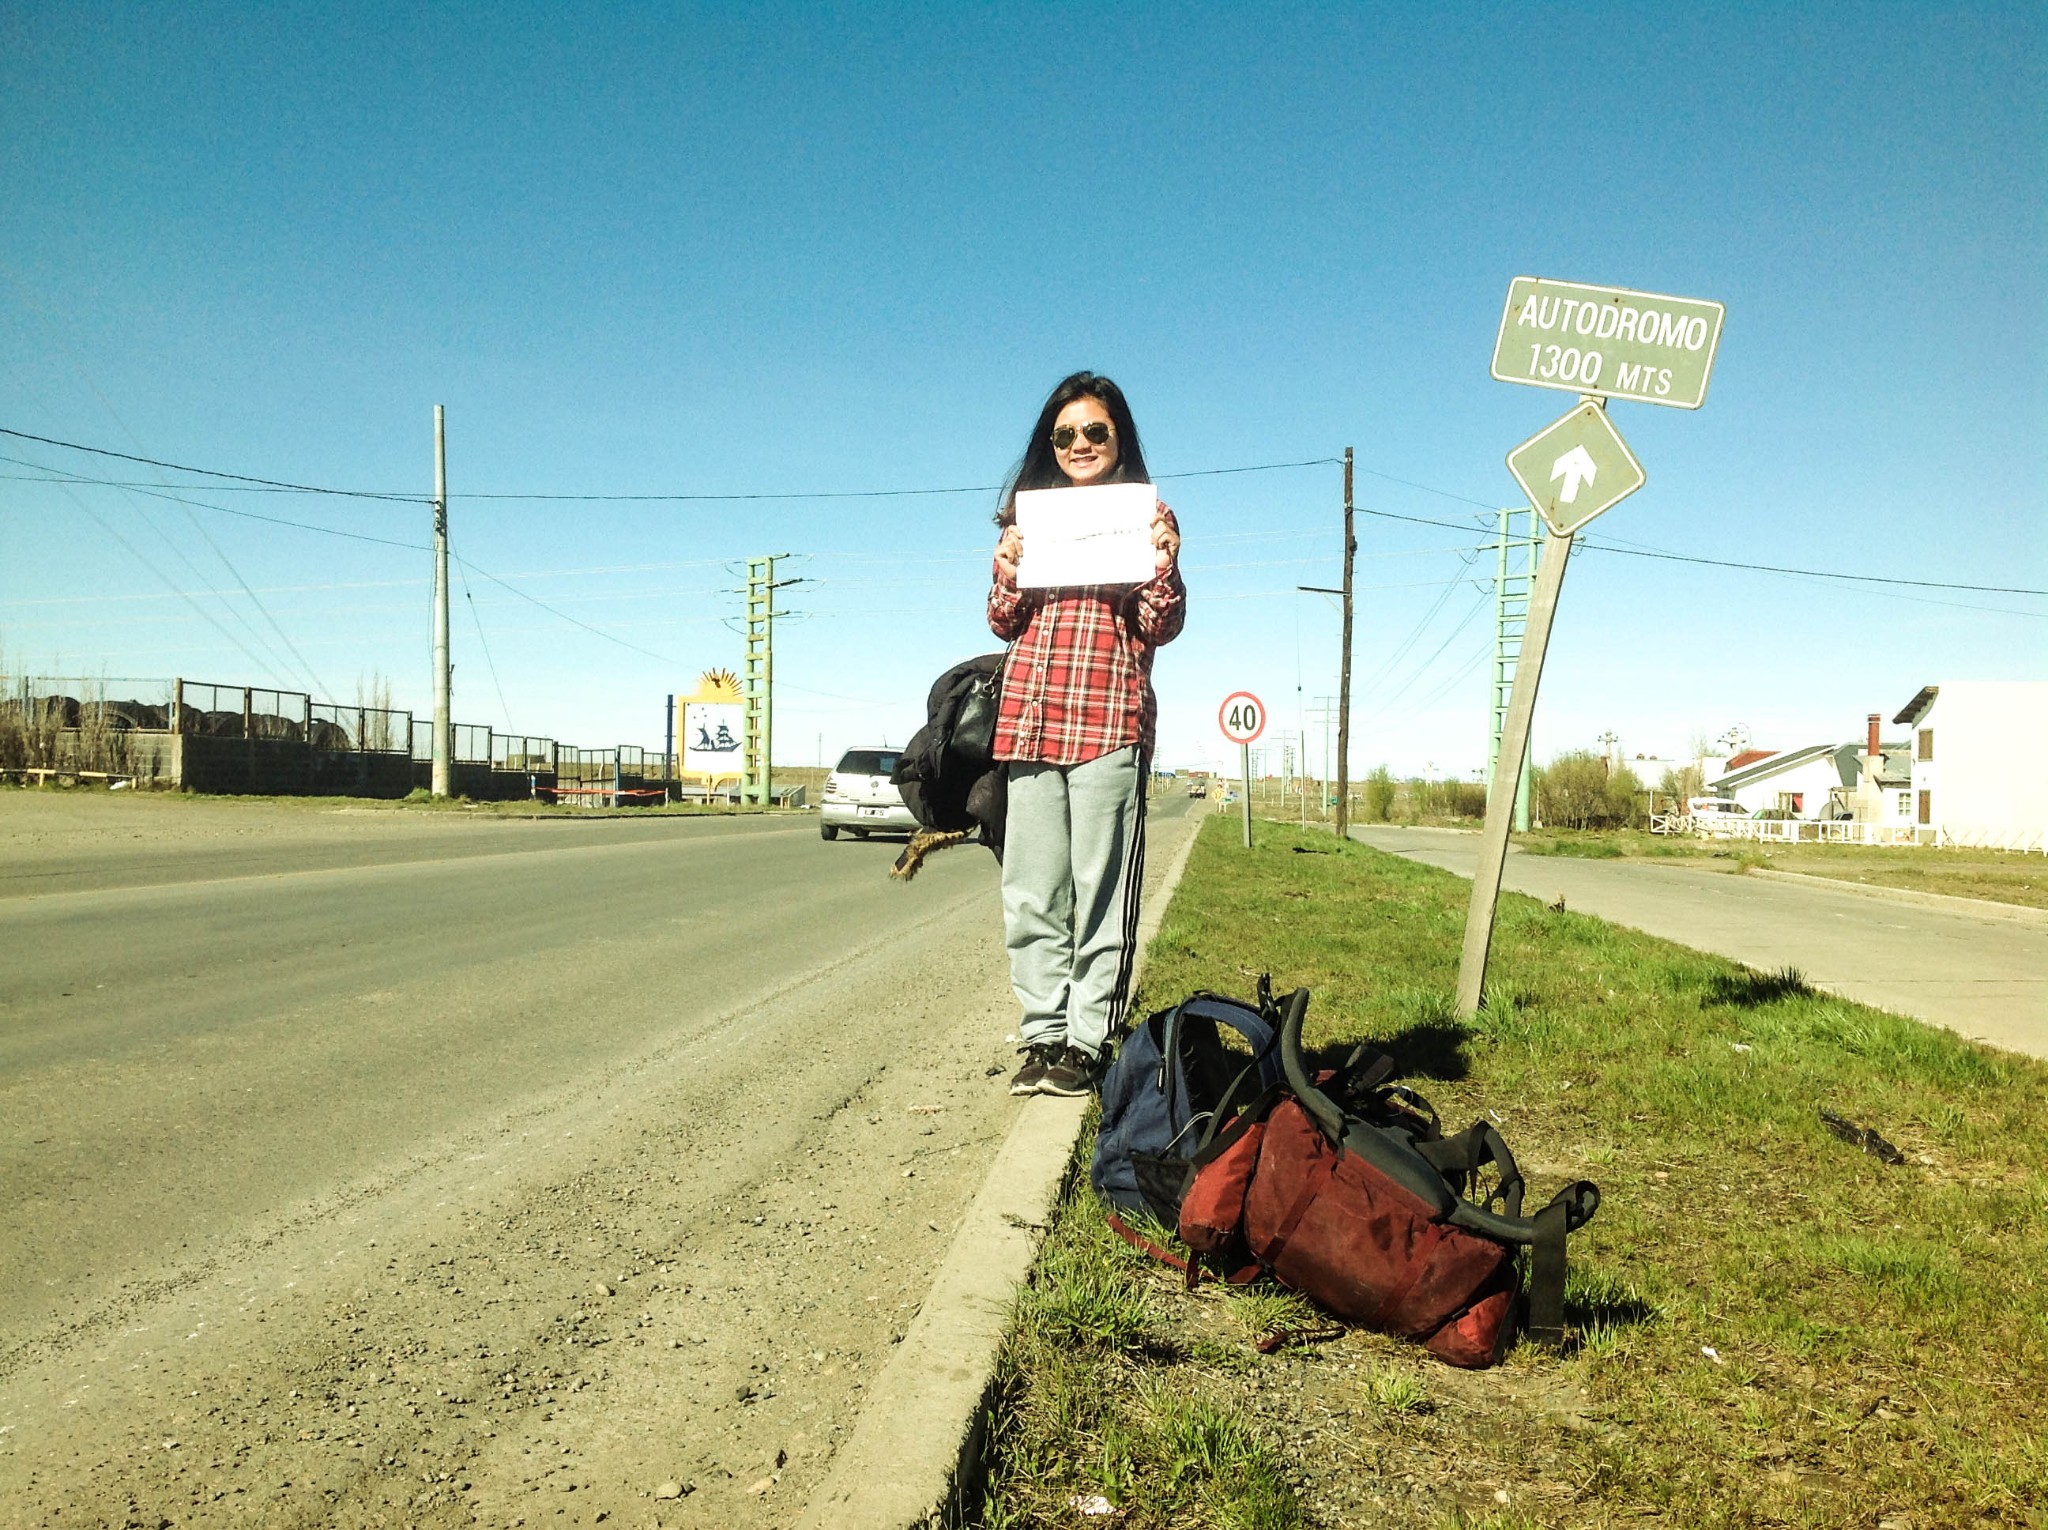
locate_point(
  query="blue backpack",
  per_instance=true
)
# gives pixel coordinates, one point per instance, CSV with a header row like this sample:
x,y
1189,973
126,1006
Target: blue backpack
x,y
1167,1079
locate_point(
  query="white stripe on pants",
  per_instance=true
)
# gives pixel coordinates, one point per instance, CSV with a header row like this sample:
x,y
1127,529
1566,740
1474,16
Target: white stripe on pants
x,y
1073,864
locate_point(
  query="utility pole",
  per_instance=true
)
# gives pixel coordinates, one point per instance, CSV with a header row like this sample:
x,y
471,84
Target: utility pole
x,y
443,731
1344,669
1607,742
1324,712
758,680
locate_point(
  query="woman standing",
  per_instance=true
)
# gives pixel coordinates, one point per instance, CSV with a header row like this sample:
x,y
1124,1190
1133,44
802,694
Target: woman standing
x,y
1076,728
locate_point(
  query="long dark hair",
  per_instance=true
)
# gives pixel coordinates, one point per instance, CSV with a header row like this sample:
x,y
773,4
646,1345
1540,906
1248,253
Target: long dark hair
x,y
1040,469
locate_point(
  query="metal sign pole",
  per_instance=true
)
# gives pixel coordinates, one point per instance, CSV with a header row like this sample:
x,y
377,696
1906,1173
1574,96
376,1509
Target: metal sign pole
x,y
1245,799
1507,775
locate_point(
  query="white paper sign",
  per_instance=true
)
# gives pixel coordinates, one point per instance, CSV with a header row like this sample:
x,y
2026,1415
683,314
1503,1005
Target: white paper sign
x,y
1097,534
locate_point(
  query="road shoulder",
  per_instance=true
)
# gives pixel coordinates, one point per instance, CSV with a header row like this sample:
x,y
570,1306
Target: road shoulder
x,y
914,1447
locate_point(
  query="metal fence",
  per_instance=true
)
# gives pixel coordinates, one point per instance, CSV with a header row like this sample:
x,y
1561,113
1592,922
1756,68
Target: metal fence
x,y
468,743
520,751
370,730
83,726
205,710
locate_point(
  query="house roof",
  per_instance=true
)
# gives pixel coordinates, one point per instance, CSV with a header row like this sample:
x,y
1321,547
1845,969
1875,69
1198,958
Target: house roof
x,y
1895,766
1747,757
1779,762
1917,707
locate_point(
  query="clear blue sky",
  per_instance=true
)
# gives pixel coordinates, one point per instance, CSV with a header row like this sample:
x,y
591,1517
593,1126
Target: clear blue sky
x,y
788,250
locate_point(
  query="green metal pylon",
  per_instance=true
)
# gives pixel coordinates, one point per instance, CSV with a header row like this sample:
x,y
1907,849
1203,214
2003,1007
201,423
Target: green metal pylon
x,y
1514,578
757,684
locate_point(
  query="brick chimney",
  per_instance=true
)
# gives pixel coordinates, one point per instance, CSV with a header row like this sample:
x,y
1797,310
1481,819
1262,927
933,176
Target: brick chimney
x,y
1871,745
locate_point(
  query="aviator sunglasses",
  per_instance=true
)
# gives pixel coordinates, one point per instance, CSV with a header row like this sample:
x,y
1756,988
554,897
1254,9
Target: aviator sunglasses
x,y
1097,432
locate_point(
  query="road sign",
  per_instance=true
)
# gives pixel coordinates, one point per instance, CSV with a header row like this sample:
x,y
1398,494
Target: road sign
x,y
1576,467
1608,341
1242,717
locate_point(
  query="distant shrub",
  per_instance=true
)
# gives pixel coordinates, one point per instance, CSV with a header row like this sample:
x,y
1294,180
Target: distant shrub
x,y
1683,784
1379,794
1450,798
1580,790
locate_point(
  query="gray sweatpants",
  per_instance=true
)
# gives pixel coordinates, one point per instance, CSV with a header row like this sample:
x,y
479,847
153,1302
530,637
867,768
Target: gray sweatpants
x,y
1073,870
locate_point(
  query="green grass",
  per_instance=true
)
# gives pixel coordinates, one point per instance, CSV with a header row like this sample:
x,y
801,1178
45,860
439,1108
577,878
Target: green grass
x,y
1096,1403
1999,876
1877,1332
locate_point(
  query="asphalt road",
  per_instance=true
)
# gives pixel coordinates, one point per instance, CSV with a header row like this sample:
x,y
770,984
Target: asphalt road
x,y
367,1168
1984,977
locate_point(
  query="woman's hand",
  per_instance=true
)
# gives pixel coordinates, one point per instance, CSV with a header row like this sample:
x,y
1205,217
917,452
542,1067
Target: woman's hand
x,y
1165,541
1009,550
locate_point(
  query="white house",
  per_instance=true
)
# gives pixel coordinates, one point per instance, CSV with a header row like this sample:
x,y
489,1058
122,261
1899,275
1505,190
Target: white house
x,y
1980,763
1882,793
1799,783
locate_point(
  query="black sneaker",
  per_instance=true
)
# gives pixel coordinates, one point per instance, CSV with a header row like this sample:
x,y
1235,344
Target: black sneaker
x,y
1072,1074
1030,1079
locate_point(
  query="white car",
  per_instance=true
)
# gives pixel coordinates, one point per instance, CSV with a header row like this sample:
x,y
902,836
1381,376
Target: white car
x,y
860,797
1715,807
1716,817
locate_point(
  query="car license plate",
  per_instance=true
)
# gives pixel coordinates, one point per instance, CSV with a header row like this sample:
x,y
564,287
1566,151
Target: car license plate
x,y
874,812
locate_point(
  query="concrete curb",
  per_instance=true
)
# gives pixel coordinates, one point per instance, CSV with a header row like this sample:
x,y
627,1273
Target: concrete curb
x,y
914,1453
1947,903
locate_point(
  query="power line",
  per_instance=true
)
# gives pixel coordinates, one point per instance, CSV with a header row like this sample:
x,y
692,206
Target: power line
x,y
176,467
563,615
1811,573
1409,483
485,644
1386,705
1759,568
161,491
281,486
232,609
1265,467
204,614
977,488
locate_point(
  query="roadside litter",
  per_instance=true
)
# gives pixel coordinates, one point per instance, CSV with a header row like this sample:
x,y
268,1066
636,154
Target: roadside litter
x,y
1863,1137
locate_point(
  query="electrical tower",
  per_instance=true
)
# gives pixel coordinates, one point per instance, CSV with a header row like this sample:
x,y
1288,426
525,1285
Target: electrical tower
x,y
1514,578
757,681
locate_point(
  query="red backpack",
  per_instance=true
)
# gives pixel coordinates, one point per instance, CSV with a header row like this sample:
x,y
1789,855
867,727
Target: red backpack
x,y
1375,1214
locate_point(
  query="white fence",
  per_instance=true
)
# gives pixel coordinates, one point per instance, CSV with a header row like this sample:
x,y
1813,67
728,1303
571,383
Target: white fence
x,y
1799,831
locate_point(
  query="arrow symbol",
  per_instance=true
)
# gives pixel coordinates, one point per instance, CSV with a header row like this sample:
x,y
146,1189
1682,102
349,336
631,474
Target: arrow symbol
x,y
1576,469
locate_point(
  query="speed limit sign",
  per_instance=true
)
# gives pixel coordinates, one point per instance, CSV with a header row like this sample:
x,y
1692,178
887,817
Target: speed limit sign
x,y
1242,717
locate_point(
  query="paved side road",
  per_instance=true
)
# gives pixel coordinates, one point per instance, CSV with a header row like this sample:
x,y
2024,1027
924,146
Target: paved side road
x,y
1984,977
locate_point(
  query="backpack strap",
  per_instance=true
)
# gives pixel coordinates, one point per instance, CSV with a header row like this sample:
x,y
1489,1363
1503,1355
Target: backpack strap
x,y
1365,1070
1460,1158
1191,1267
1399,1100
1571,1207
1256,1025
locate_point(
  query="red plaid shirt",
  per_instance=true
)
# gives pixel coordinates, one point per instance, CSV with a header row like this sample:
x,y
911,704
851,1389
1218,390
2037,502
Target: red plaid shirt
x,y
1077,683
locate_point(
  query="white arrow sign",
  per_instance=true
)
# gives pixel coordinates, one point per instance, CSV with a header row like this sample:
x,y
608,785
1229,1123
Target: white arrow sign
x,y
1559,465
1576,469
